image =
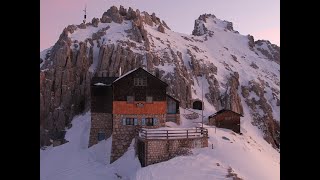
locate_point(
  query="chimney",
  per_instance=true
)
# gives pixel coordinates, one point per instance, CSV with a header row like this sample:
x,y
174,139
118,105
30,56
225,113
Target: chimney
x,y
120,72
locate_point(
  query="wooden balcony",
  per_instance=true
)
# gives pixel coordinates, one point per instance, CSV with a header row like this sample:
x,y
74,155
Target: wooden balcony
x,y
174,133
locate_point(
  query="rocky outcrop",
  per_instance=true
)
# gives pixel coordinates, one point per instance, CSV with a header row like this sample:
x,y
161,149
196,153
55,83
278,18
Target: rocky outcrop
x,y
231,99
64,87
82,26
271,51
114,14
131,14
100,33
148,19
122,11
165,25
95,22
229,25
161,28
105,18
199,27
250,42
264,120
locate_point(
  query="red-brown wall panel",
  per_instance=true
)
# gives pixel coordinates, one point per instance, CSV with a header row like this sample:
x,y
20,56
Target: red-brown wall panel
x,y
122,107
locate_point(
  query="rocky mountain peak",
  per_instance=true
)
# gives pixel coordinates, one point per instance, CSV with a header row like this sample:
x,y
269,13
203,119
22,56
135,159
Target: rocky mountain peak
x,y
269,50
208,23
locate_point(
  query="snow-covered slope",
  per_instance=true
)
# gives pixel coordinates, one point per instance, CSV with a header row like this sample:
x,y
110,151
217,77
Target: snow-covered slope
x,y
247,156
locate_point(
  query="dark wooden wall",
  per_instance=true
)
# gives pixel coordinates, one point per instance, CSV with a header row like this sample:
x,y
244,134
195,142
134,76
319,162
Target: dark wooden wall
x,y
125,87
101,99
228,120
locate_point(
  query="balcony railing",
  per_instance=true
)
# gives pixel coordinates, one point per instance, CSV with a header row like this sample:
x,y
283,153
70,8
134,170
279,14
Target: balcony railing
x,y
190,133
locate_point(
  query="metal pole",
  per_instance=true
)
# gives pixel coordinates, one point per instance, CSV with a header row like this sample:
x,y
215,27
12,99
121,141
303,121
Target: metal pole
x,y
202,102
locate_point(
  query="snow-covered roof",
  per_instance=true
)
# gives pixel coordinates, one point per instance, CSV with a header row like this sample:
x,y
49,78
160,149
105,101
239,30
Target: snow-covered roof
x,y
100,84
99,81
125,74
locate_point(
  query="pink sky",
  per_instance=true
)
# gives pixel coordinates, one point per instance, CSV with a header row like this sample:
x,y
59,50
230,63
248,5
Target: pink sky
x,y
258,18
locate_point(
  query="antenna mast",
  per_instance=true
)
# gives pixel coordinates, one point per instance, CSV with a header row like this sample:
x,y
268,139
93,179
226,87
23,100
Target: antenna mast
x,y
202,100
85,14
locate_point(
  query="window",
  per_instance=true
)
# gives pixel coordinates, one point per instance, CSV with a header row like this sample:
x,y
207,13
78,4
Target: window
x,y
130,99
140,81
101,136
149,99
130,121
149,121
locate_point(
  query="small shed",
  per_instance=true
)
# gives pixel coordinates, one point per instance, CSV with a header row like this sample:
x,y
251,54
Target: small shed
x,y
226,119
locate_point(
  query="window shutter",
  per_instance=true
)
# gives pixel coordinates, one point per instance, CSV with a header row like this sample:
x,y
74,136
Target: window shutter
x,y
143,122
155,121
135,121
124,121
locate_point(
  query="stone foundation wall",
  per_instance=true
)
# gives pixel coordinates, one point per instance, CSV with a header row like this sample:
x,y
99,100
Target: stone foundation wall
x,y
160,150
123,135
100,122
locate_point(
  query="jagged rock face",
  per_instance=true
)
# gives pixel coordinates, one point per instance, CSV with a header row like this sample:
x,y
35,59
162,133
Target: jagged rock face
x,y
199,29
161,28
114,14
67,68
265,120
229,26
251,41
82,26
231,99
271,51
105,18
64,87
95,22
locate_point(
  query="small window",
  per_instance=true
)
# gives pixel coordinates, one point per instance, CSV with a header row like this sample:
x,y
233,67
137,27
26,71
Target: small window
x,y
140,81
101,136
149,121
130,99
129,121
149,99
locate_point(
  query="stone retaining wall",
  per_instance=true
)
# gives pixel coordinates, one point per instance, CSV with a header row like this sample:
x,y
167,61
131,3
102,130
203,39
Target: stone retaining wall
x,y
160,150
123,134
